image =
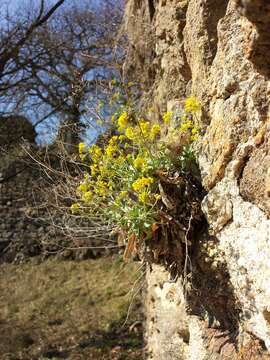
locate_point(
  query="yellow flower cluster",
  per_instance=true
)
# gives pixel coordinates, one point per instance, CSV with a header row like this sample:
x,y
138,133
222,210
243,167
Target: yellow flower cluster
x,y
111,150
87,196
144,197
155,131
95,153
101,188
122,121
112,147
167,117
75,208
143,132
186,125
139,163
82,188
192,105
82,150
189,126
121,181
141,183
132,133
144,127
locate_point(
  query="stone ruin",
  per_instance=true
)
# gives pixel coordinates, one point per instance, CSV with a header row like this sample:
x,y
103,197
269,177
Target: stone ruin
x,y
25,229
19,223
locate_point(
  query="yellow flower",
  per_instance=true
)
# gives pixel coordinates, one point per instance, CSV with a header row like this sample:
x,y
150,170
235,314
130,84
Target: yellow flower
x,y
82,188
87,197
110,150
123,194
192,105
194,137
131,133
144,126
139,163
96,153
100,182
122,137
167,117
82,150
94,170
102,170
122,121
155,130
121,159
74,208
157,197
101,188
186,126
141,183
113,140
110,185
195,130
81,147
144,197
86,177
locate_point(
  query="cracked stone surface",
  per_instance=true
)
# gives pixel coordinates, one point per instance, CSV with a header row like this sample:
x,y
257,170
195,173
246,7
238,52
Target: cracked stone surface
x,y
219,52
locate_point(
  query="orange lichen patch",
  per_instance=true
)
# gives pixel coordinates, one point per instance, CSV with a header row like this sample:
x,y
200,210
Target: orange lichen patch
x,y
218,168
259,138
220,145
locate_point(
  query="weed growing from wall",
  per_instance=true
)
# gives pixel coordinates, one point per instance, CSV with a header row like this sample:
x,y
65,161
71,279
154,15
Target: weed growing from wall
x,y
140,180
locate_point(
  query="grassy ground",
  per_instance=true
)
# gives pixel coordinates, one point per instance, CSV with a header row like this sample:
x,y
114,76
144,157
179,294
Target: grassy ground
x,y
69,310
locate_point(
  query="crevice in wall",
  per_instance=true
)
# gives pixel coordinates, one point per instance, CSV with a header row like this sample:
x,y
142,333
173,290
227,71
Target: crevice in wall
x,y
258,51
186,73
137,4
214,11
210,297
151,7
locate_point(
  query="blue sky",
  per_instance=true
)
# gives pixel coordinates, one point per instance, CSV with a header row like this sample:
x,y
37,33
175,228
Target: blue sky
x,y
14,7
16,4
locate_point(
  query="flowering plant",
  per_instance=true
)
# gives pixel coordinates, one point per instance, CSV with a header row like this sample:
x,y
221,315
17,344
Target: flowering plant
x,y
124,181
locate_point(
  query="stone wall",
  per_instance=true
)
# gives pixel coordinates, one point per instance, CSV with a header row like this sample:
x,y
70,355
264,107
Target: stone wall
x,y
217,51
23,229
19,222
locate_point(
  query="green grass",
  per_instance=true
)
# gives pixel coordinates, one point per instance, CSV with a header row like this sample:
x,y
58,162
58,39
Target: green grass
x,y
70,310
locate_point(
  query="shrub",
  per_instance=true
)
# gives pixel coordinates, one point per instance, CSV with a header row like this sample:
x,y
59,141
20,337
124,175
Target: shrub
x,y
127,180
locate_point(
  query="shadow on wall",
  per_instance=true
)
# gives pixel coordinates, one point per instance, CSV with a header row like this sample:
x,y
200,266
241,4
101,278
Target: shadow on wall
x,y
258,49
215,10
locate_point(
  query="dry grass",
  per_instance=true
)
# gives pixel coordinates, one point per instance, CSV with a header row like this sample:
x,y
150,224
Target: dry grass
x,y
71,310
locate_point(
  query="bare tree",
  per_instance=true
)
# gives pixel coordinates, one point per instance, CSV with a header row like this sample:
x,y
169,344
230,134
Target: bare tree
x,y
14,35
67,60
